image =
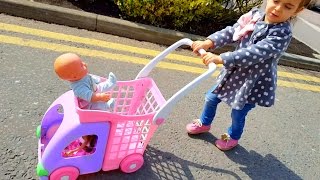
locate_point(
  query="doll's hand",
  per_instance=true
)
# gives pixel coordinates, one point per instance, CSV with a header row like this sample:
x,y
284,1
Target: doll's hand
x,y
209,57
69,153
105,97
100,97
196,45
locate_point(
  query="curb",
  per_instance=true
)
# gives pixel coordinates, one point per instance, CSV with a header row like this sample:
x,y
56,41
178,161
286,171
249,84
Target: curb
x,y
123,28
307,29
298,61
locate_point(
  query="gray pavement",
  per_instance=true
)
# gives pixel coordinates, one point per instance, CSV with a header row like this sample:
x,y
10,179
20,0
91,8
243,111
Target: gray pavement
x,y
307,29
281,142
94,22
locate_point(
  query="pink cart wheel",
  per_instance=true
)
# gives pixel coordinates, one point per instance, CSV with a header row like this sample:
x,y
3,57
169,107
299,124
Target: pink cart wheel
x,y
70,173
131,163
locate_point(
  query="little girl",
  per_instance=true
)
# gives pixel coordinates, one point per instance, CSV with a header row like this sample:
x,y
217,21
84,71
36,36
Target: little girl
x,y
249,76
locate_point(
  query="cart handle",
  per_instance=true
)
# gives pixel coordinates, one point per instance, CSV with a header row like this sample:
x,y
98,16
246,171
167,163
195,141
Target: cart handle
x,y
165,110
148,68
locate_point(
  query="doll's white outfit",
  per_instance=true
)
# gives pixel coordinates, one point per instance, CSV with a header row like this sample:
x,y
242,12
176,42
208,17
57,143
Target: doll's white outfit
x,y
85,87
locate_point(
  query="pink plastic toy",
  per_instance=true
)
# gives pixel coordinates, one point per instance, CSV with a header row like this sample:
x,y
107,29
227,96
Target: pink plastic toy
x,y
121,135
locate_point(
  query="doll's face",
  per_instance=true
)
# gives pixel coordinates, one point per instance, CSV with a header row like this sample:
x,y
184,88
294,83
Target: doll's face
x,y
70,67
81,72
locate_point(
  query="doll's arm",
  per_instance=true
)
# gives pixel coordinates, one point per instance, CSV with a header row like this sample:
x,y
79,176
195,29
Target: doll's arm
x,y
84,91
88,95
96,97
69,153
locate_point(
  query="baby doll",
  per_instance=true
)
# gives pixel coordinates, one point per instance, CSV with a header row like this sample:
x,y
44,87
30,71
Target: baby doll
x,y
91,90
87,143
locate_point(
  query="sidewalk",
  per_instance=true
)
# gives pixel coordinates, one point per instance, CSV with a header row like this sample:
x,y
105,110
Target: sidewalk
x,y
307,28
95,22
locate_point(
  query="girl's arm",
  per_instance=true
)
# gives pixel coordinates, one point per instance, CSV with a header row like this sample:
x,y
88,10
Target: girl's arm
x,y
225,36
272,46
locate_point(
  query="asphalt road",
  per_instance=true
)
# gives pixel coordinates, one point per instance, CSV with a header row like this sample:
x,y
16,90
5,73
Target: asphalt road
x,y
282,142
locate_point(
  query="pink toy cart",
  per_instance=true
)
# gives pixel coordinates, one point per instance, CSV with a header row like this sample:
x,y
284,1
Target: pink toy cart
x,y
122,135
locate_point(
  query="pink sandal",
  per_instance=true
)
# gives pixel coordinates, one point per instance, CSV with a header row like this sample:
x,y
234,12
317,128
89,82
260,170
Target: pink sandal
x,y
196,127
226,142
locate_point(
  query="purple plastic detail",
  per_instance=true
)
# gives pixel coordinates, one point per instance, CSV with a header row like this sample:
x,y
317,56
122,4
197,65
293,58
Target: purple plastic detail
x,y
44,178
51,117
69,130
159,121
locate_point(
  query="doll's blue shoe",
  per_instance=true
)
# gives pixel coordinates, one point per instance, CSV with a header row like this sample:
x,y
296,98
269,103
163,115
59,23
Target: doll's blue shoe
x,y
109,83
112,79
111,104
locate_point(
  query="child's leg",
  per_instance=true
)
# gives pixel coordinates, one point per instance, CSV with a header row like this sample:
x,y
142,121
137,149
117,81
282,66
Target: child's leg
x,y
208,113
238,121
209,109
230,140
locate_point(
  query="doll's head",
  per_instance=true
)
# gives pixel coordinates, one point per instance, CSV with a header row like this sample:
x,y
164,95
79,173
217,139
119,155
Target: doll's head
x,y
70,67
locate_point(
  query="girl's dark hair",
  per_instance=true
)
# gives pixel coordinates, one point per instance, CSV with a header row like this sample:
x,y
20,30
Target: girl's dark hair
x,y
305,3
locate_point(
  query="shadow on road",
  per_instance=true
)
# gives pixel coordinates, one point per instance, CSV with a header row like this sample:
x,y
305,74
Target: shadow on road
x,y
164,165
160,165
257,166
168,166
254,164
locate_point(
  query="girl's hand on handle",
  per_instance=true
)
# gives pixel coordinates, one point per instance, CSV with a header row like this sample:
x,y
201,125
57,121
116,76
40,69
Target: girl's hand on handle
x,y
197,45
209,57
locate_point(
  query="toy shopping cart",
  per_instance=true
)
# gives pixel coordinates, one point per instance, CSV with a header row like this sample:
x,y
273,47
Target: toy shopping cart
x,y
121,136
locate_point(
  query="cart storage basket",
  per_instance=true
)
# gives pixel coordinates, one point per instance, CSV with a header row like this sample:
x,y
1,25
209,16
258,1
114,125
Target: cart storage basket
x,y
136,103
